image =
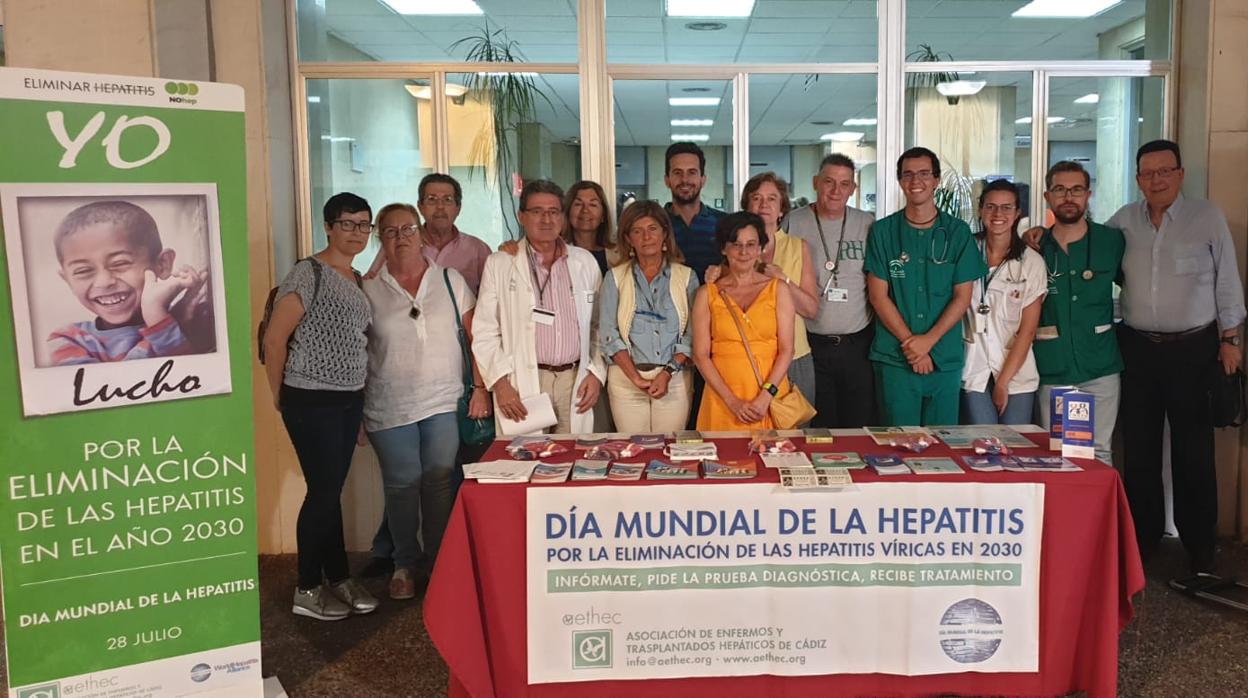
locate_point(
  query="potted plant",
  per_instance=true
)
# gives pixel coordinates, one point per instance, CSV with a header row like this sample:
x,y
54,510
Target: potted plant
x,y
925,54
512,98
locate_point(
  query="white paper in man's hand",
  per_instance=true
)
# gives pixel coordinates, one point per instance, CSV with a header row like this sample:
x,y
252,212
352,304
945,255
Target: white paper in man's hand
x,y
541,415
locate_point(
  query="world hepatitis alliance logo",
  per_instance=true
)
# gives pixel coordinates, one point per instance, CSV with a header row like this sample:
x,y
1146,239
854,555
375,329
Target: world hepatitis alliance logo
x,y
971,631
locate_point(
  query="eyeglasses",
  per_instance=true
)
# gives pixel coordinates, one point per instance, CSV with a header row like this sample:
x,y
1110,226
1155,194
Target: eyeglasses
x,y
744,246
391,232
351,226
414,313
432,201
1164,173
921,175
1060,192
1002,208
544,212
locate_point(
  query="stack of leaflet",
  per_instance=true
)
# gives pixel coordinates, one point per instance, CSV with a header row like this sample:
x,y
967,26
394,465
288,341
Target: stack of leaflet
x,y
795,459
993,464
818,436
499,471
846,459
729,470
933,466
533,447
662,470
614,450
624,472
692,452
796,479
546,473
887,465
771,442
585,469
649,440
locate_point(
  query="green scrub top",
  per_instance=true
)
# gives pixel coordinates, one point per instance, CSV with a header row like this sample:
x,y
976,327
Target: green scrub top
x,y
1080,311
921,281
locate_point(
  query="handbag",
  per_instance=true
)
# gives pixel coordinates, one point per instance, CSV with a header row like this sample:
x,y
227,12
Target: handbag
x,y
1226,398
787,410
471,431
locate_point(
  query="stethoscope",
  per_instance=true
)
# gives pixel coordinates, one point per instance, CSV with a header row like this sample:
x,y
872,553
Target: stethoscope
x,y
986,281
904,257
1087,273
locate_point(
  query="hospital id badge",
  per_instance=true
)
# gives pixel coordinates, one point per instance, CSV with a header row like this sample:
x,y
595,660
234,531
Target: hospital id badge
x,y
543,316
979,323
838,295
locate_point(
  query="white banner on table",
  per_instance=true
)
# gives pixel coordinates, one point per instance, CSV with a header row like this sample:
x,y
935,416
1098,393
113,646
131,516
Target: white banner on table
x,y
670,581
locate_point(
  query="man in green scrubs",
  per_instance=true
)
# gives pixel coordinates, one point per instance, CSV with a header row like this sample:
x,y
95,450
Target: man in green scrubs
x,y
1076,343
921,264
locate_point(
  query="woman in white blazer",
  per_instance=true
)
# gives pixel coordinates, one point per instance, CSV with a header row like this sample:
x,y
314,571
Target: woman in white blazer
x,y
521,304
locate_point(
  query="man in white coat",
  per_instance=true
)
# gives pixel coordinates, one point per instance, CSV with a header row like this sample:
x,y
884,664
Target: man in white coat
x,y
534,328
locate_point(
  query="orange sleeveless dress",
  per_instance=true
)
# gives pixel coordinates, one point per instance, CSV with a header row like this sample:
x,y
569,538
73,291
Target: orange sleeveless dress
x,y
729,357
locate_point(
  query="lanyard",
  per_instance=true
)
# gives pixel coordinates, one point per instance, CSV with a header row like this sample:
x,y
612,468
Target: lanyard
x,y
836,264
986,281
541,287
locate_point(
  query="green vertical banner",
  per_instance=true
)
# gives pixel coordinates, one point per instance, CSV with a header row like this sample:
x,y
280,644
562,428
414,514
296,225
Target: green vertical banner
x,y
127,498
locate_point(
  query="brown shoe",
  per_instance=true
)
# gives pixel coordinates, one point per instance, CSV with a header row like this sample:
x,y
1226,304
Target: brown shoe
x,y
402,586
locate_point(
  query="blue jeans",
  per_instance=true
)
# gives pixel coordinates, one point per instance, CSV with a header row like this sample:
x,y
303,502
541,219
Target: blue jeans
x,y
977,407
418,470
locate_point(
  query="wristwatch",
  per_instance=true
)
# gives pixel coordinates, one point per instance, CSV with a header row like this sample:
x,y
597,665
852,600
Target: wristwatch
x,y
771,388
672,367
1233,340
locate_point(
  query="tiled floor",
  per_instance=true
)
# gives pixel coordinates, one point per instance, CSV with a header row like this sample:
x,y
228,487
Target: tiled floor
x,y
1176,646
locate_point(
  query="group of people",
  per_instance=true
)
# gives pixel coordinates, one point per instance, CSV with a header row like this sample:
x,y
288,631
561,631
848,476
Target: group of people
x,y
911,319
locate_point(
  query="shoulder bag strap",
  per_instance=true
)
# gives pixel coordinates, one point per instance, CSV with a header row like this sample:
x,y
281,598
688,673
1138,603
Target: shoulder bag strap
x,y
741,329
459,327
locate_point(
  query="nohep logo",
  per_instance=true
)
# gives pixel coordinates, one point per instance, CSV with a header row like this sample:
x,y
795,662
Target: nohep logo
x,y
591,649
200,672
971,631
47,690
181,92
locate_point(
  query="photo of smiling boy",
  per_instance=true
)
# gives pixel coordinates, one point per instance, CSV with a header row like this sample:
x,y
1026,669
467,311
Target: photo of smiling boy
x,y
111,256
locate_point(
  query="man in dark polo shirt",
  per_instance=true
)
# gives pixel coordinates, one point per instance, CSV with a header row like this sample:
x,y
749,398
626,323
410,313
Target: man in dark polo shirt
x,y
692,221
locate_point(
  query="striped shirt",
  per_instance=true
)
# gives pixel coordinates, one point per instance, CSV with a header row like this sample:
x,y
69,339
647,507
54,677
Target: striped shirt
x,y
559,342
84,343
696,239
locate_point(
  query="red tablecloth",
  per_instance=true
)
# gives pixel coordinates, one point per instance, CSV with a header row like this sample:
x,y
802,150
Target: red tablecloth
x,y
1089,570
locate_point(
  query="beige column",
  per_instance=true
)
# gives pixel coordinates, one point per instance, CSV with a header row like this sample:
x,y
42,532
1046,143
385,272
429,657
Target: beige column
x,y
1214,89
96,36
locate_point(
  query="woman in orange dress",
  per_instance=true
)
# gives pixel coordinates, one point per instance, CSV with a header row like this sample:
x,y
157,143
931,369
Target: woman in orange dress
x,y
764,306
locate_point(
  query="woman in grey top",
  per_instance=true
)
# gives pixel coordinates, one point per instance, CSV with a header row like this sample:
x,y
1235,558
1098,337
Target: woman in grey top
x,y
316,365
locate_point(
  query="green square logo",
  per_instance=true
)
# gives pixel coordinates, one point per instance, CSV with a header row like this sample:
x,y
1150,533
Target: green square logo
x,y
47,690
591,649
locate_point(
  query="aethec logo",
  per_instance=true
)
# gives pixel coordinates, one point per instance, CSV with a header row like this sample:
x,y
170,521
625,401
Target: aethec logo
x,y
181,92
47,690
591,649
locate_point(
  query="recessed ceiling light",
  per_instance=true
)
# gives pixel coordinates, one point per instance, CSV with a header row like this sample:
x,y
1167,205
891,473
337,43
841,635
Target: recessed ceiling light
x,y
695,89
434,7
843,136
313,99
692,122
1064,8
860,122
694,101
709,8
1051,120
1092,98
823,123
425,91
706,26
504,73
695,137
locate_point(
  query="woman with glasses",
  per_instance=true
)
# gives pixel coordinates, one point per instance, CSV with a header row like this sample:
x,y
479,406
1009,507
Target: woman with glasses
x,y
415,371
1000,379
643,325
788,259
316,362
745,312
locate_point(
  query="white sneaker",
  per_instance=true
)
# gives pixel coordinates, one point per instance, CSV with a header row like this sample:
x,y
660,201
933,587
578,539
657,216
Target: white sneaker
x,y
355,597
318,603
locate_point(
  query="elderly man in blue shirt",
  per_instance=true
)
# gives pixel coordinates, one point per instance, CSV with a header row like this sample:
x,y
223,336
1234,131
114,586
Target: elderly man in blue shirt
x,y
1182,307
